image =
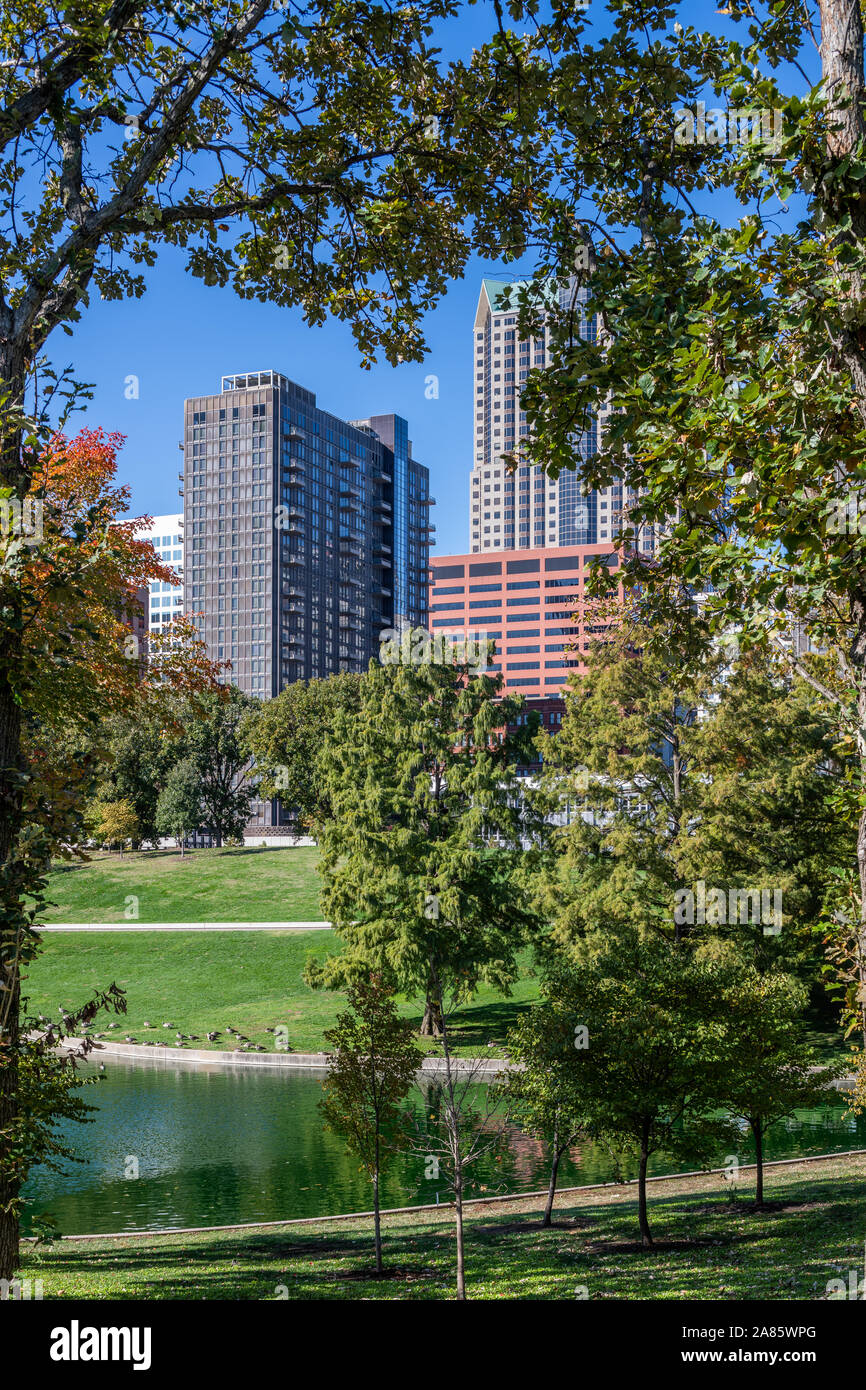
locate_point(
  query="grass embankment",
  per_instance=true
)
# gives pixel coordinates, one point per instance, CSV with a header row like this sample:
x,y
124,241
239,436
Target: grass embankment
x,y
205,885
708,1247
202,981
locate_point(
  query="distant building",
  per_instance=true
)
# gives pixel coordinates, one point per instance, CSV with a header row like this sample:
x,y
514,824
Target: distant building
x,y
522,509
530,603
165,601
304,535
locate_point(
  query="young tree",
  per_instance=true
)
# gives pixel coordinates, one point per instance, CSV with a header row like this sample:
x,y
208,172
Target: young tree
x,y
372,1071
286,738
220,761
772,1070
649,1036
118,823
178,809
423,858
460,1127
542,1091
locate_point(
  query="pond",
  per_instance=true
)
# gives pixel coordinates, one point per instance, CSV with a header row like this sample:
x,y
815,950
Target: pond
x,y
217,1147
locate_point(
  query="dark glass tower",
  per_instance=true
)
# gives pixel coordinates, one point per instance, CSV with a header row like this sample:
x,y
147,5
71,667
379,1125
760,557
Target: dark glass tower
x,y
304,534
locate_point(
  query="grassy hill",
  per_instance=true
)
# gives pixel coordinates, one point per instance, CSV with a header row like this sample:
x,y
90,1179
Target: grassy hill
x,y
206,885
202,981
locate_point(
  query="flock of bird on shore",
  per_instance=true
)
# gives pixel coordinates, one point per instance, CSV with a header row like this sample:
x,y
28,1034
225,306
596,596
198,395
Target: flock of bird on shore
x,y
180,1039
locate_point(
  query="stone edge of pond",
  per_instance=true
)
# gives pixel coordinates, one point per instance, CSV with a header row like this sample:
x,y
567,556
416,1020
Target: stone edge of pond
x,y
537,1195
318,1061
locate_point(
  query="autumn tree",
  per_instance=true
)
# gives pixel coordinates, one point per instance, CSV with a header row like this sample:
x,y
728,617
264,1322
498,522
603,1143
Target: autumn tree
x,y
118,823
77,663
316,157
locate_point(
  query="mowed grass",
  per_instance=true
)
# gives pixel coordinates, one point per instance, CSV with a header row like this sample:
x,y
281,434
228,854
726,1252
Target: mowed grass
x,y
708,1247
205,885
202,981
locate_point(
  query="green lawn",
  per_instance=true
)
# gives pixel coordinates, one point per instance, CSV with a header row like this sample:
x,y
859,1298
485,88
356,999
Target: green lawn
x,y
708,1247
206,885
201,981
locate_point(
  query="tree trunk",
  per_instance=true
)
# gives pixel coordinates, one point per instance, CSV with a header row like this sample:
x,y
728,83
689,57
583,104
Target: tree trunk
x,y
758,1132
377,1225
431,1023
12,474
646,1239
554,1169
458,1214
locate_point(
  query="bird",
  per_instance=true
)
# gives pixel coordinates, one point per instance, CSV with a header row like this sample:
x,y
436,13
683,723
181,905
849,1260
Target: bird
x,y
243,1038
212,1037
270,1030
102,1066
145,1024
168,1025
193,1037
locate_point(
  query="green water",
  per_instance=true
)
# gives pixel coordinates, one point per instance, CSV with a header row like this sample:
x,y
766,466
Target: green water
x,y
213,1148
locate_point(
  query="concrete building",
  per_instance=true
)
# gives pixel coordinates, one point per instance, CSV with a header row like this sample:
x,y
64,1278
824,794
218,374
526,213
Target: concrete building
x,y
304,535
509,511
531,604
165,601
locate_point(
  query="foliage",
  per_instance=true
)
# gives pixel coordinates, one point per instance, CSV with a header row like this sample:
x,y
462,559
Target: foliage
x,y
422,860
178,809
286,737
118,823
372,1071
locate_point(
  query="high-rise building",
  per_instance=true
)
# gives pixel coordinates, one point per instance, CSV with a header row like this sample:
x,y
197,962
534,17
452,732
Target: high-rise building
x,y
522,509
165,534
304,535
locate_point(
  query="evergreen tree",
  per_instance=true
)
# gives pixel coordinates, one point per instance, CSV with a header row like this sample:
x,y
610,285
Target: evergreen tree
x,y
423,859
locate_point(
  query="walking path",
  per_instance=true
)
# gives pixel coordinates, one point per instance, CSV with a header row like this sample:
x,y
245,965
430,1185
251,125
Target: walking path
x,y
203,1057
188,926
540,1194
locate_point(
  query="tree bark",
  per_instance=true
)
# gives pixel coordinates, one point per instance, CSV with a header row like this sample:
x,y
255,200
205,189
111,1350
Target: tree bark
x,y
431,1023
551,1190
845,84
377,1224
458,1210
646,1239
758,1132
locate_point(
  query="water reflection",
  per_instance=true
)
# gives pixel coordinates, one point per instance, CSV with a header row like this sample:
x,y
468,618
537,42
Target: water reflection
x,y
216,1147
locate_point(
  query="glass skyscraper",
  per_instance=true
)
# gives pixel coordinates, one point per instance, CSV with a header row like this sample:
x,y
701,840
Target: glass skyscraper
x,y
304,535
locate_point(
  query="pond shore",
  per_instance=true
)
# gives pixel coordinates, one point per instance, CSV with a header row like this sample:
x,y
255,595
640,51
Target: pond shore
x,y
711,1244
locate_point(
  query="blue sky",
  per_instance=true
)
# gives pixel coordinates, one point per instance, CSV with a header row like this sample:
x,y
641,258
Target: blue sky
x,y
181,337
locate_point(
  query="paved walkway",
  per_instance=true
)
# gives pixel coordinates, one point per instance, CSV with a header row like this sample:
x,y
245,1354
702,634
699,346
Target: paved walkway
x,y
188,926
